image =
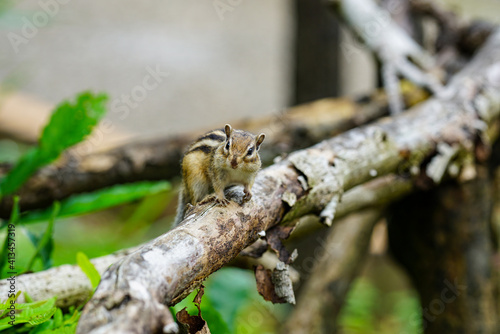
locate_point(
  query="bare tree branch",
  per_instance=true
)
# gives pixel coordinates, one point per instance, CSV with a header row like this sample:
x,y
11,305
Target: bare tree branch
x,y
133,292
72,287
391,44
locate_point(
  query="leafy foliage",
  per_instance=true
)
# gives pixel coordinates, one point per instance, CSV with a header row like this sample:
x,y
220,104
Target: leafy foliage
x,y
364,301
33,314
44,316
99,200
69,124
38,317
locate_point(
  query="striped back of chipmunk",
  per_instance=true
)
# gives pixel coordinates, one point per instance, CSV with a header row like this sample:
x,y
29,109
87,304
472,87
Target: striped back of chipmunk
x,y
208,142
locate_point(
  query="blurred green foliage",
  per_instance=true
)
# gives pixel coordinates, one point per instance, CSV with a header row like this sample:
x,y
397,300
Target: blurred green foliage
x,y
44,244
69,124
232,305
10,151
98,200
10,240
368,310
38,317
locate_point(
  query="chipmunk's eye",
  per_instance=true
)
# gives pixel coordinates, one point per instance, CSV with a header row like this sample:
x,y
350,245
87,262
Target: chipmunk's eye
x,y
250,151
227,145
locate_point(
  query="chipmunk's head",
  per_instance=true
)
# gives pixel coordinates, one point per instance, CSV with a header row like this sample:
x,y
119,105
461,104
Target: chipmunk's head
x,y
242,147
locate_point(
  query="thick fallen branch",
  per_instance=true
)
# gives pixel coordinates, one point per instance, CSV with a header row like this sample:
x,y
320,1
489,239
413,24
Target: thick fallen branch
x,y
72,287
296,128
341,258
134,291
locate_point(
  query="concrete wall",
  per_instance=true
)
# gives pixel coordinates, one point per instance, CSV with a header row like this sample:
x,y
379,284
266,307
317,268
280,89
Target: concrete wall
x,y
225,59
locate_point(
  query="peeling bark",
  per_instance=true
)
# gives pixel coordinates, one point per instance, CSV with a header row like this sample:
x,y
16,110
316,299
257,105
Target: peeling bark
x,y
133,292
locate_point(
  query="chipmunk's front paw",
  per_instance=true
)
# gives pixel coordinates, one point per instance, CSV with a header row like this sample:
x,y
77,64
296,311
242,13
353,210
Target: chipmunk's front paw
x,y
208,199
221,201
214,199
248,195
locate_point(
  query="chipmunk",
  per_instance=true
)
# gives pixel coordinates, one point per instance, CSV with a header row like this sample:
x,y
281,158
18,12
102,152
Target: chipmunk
x,y
215,161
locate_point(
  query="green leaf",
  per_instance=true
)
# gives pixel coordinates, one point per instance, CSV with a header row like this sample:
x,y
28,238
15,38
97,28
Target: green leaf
x,y
88,268
27,297
69,124
31,313
4,307
239,284
14,217
45,244
214,319
99,200
23,169
58,318
75,316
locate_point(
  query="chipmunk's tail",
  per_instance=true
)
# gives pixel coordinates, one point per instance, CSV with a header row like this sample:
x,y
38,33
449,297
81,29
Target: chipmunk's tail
x,y
181,207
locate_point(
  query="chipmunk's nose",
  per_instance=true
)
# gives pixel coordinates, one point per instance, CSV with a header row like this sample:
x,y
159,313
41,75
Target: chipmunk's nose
x,y
234,163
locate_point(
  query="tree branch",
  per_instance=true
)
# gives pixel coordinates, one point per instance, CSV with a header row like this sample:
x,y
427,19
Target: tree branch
x,y
72,287
396,50
133,292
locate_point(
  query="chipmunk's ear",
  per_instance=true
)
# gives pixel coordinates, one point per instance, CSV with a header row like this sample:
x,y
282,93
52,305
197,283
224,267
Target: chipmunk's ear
x,y
259,140
228,130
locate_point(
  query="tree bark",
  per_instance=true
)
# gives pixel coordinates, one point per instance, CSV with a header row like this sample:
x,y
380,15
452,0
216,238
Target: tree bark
x,y
443,239
133,292
72,287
